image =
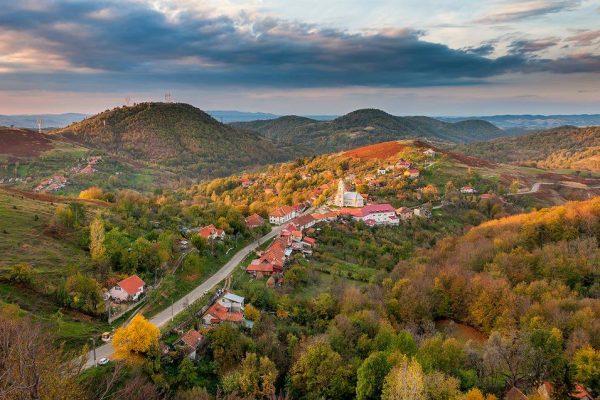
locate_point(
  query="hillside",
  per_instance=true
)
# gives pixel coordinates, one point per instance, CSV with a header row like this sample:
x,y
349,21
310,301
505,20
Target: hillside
x,y
367,126
566,147
177,136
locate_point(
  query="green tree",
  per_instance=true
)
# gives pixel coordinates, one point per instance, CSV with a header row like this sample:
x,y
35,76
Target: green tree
x,y
371,375
186,373
320,372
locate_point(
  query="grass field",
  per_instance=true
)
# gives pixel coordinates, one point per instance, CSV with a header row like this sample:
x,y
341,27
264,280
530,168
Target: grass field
x,y
22,237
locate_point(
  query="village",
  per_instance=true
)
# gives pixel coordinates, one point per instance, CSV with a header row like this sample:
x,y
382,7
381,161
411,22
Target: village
x,y
296,226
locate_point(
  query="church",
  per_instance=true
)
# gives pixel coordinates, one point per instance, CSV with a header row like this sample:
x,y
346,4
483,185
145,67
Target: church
x,y
347,199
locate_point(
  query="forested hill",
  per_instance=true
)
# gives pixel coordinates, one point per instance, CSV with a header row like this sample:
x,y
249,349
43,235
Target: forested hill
x,y
368,126
564,147
177,136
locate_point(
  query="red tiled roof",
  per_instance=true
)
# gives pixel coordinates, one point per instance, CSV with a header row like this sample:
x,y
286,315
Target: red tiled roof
x,y
192,338
377,208
282,211
209,230
260,267
413,171
303,220
221,313
132,284
310,240
580,392
254,220
355,212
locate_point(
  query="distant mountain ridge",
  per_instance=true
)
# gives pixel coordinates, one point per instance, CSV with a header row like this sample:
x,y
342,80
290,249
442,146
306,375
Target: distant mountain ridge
x,y
567,147
176,136
367,126
48,120
534,121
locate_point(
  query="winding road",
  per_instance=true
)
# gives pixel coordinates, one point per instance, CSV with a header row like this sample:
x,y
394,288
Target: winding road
x,y
166,315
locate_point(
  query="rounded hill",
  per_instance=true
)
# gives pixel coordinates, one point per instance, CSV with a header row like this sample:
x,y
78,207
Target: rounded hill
x,y
176,135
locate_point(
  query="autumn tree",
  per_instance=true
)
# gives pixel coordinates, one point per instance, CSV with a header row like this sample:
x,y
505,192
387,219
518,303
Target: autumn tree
x,y
97,248
93,192
405,382
257,377
587,368
31,367
135,340
251,312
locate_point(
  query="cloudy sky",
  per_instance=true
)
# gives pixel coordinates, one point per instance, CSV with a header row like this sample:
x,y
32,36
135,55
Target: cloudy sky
x,y
429,57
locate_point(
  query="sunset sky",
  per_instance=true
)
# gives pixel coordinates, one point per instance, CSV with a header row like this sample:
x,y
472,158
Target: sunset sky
x,y
429,57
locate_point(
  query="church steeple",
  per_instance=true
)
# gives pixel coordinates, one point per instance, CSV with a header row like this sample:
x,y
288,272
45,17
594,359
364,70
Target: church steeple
x,y
339,196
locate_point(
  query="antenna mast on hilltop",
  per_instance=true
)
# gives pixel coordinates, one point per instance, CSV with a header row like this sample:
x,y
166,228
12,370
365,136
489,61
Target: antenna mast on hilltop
x,y
127,101
40,123
168,98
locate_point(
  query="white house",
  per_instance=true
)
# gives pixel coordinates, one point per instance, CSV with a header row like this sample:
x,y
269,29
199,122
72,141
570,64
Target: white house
x,y
128,289
468,189
429,152
379,214
282,215
232,302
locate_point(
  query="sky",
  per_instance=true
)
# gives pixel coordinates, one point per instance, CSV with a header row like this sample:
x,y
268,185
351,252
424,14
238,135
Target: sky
x,y
407,57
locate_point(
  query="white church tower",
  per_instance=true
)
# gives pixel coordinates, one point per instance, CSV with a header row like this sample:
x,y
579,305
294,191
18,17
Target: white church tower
x,y
339,196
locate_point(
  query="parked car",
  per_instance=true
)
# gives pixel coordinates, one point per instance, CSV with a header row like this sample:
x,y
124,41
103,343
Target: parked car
x,y
103,361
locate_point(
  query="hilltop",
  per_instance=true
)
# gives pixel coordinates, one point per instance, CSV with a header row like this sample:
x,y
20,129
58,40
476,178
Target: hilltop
x,y
177,136
565,147
367,126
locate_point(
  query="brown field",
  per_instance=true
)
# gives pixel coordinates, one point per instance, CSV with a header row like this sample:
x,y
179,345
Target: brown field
x,y
51,198
460,332
23,142
379,151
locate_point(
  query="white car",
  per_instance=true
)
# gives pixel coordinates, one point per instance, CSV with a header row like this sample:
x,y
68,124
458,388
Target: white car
x,y
103,361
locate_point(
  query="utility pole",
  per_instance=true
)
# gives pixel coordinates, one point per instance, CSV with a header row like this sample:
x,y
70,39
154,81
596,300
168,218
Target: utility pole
x,y
172,313
94,347
40,123
168,98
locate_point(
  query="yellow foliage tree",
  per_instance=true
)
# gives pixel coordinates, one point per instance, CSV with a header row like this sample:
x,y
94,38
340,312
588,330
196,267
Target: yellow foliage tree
x,y
134,341
90,193
251,313
97,248
405,382
476,394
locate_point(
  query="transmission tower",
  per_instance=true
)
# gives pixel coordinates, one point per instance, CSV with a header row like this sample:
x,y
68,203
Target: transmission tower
x,y
127,101
40,123
168,98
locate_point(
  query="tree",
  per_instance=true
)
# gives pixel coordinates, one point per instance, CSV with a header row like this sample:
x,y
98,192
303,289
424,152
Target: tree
x,y
371,375
134,341
439,386
476,394
31,367
84,293
256,377
93,192
514,186
97,248
587,368
186,373
251,312
200,243
405,382
320,372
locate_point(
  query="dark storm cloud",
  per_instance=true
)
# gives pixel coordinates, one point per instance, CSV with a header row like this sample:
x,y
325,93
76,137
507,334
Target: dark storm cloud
x,y
128,45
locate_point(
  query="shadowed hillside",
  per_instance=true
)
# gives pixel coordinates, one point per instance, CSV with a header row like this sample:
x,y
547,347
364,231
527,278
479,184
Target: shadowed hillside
x,y
177,136
368,126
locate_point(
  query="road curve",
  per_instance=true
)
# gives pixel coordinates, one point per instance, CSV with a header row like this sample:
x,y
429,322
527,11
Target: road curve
x,y
165,316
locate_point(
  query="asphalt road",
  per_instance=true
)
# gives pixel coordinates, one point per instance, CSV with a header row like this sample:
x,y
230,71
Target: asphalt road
x,y
160,319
